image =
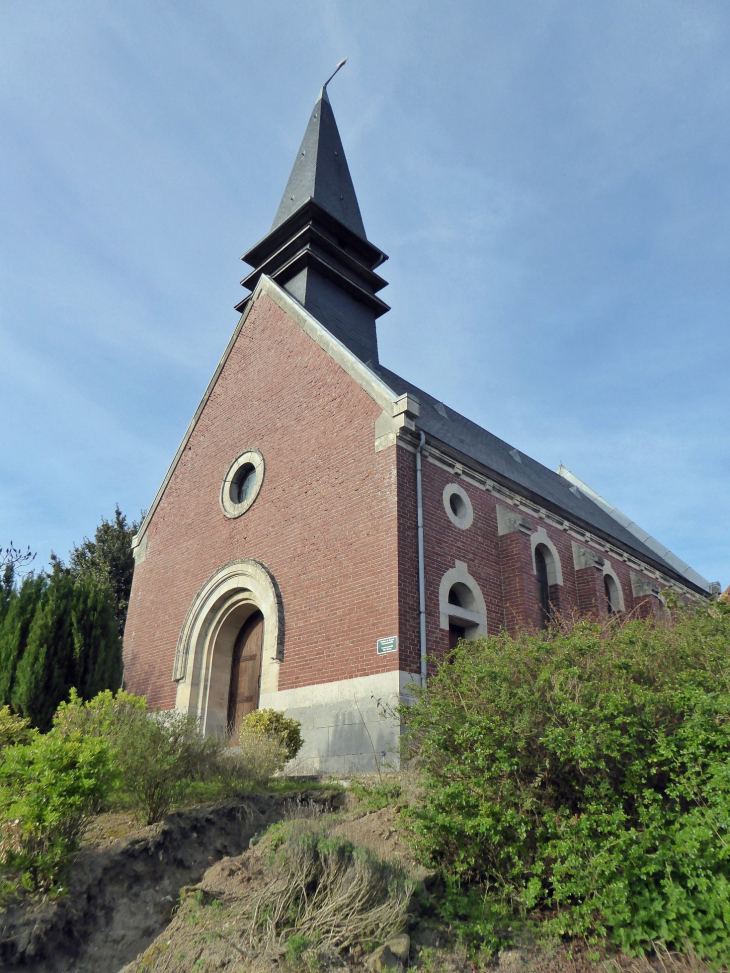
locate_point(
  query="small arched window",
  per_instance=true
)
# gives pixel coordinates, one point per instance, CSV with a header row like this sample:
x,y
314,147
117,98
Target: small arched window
x,y
461,605
461,595
613,603
543,588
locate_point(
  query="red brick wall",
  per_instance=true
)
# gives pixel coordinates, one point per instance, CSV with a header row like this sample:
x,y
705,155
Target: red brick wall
x,y
501,565
324,523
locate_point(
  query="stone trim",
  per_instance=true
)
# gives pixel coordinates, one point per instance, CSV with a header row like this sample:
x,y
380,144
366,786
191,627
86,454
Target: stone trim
x,y
554,568
609,571
474,619
465,519
641,587
230,508
438,456
584,557
509,521
217,612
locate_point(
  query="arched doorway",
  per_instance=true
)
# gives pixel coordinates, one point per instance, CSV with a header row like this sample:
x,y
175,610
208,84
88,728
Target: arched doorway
x,y
245,687
237,611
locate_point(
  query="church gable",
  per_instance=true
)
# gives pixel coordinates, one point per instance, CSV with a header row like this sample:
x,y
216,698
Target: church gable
x,y
290,392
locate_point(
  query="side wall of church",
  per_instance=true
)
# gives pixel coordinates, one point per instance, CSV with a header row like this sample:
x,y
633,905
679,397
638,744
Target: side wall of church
x,y
324,522
500,560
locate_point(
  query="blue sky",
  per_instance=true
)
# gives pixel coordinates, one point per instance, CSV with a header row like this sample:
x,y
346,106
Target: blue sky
x,y
550,180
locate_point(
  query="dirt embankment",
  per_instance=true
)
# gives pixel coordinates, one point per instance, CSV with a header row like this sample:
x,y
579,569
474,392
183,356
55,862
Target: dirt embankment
x,y
122,891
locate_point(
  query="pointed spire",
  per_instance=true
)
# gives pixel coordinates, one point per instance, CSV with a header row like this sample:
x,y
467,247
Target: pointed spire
x,y
317,248
320,172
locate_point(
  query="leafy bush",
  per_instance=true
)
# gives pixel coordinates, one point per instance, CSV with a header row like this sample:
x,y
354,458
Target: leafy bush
x,y
585,778
274,724
13,729
106,715
158,755
48,790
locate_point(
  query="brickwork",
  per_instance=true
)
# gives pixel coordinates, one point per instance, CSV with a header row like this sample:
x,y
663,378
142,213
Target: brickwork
x,y
519,585
445,543
410,646
325,522
591,593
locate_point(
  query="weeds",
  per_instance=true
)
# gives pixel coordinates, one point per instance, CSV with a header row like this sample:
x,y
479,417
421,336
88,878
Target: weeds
x,y
326,893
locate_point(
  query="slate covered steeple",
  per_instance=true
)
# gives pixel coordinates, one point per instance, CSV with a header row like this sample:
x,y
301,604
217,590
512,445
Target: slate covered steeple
x,y
317,248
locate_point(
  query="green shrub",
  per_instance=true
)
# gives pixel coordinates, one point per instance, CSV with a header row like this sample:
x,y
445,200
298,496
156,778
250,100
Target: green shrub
x,y
274,724
106,715
158,755
13,729
71,640
48,790
585,778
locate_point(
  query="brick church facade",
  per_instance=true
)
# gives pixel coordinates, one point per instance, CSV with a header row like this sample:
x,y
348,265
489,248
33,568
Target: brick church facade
x,y
327,529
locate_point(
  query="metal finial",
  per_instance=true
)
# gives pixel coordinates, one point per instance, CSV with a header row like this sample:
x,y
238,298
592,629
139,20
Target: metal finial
x,y
341,64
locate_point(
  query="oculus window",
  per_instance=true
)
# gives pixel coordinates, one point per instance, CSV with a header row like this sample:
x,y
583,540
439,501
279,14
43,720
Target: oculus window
x,y
242,483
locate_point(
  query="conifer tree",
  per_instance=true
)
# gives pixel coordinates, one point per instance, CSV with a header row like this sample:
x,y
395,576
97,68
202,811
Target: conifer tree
x,y
45,670
97,642
73,641
108,560
7,590
22,603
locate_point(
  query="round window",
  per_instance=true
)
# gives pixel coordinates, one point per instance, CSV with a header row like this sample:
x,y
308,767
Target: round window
x,y
458,506
242,483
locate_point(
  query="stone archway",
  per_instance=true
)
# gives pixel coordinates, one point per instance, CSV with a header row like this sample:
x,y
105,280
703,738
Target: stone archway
x,y
204,653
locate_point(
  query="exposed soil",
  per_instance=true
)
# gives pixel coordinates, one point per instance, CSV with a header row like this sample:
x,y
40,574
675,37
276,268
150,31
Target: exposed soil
x,y
207,933
122,890
128,881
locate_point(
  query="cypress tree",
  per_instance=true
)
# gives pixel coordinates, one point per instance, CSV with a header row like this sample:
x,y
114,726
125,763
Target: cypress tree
x,y
45,672
22,604
97,643
7,590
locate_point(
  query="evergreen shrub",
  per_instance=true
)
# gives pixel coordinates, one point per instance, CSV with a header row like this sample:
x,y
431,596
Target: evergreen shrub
x,y
583,779
57,633
271,722
13,730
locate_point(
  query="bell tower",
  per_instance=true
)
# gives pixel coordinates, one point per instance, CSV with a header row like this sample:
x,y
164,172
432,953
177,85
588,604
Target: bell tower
x,y
317,249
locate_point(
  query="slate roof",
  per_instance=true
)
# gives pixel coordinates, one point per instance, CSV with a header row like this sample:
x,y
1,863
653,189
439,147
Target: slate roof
x,y
527,475
321,173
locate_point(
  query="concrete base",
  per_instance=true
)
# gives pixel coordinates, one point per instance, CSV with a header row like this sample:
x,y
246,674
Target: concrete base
x,y
348,727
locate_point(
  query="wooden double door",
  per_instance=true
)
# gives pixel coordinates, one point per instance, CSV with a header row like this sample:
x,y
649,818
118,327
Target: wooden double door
x,y
243,696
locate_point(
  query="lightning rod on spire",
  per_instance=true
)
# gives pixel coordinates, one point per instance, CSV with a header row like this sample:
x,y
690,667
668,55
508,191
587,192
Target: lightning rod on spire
x,y
341,64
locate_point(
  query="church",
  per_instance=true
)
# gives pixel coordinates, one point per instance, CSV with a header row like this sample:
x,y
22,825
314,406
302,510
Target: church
x,y
327,529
